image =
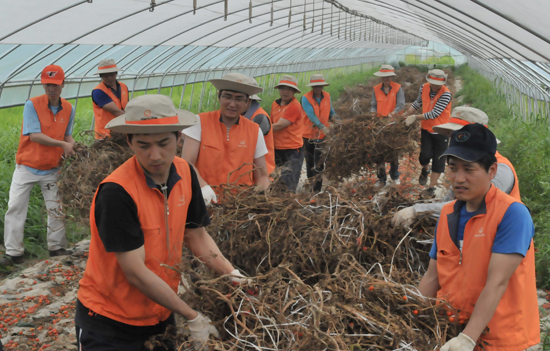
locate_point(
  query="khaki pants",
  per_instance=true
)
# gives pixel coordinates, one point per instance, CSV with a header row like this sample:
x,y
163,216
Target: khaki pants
x,y
21,185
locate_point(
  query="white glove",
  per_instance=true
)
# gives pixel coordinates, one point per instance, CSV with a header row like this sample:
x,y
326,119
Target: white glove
x,y
201,329
410,120
208,195
461,343
404,217
237,278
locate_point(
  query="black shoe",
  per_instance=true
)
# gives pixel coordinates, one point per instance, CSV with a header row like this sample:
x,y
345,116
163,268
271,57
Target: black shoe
x,y
60,252
428,193
423,177
8,260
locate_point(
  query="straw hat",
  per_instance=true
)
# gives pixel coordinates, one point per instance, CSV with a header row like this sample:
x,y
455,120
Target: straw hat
x,y
317,80
236,82
107,66
289,81
461,116
437,77
386,71
150,114
52,74
254,83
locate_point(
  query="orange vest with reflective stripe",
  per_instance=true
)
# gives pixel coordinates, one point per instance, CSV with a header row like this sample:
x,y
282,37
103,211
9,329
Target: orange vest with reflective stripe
x,y
515,190
386,103
462,276
322,112
428,105
104,288
290,137
270,156
221,153
38,156
102,117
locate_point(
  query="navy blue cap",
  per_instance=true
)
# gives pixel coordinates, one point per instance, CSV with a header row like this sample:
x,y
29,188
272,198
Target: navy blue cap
x,y
472,142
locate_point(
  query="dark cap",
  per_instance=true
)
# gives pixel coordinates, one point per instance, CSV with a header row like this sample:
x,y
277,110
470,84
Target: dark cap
x,y
472,142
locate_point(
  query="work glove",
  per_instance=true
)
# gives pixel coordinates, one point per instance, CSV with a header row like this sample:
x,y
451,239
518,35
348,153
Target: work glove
x,y
208,195
201,328
410,120
461,343
404,218
237,278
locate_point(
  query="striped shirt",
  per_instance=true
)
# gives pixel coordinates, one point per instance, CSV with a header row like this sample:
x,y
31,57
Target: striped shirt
x,y
439,107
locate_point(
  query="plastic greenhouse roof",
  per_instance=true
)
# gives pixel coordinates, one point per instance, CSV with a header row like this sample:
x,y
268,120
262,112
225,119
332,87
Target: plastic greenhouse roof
x,y
168,37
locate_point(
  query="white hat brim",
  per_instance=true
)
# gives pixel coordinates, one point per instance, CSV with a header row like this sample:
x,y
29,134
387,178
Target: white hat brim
x,y
223,84
288,85
316,84
255,97
385,74
448,128
435,82
186,119
107,70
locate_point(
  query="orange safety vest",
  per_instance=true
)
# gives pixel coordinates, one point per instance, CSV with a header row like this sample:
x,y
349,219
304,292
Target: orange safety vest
x,y
386,103
221,153
104,288
322,112
462,276
515,190
270,157
38,156
290,137
102,117
428,105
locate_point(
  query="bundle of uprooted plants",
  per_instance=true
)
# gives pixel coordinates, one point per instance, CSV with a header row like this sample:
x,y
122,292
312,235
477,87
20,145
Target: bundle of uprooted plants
x,y
359,142
81,174
328,272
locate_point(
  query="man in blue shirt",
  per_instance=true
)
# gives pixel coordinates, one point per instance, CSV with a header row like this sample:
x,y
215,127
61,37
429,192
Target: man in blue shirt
x,y
46,137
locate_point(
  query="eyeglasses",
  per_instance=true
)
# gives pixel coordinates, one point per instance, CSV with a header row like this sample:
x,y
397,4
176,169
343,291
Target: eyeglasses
x,y
237,100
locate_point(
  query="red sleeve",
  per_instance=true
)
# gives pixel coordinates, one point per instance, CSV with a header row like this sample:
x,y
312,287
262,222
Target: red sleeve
x,y
293,113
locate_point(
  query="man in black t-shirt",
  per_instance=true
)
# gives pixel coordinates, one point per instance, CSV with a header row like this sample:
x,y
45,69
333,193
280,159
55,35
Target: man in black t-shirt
x,y
141,215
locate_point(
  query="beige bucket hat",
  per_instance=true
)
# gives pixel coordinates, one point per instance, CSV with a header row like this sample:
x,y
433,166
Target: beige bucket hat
x,y
150,114
437,77
317,80
386,71
289,81
461,116
236,82
254,83
107,66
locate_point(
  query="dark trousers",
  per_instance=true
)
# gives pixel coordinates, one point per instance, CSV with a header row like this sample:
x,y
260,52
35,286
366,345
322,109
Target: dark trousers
x,y
87,340
290,160
314,164
394,171
432,146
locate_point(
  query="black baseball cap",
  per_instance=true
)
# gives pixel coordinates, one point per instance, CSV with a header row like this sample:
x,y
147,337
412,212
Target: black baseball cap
x,y
472,142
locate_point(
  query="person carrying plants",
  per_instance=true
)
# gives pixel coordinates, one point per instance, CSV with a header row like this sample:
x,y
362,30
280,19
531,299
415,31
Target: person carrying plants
x,y
286,114
388,99
141,216
46,137
505,178
109,97
435,100
482,261
317,113
257,114
223,147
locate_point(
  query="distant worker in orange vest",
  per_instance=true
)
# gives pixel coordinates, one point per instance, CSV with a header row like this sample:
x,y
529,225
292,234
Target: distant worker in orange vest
x,y
109,97
505,179
46,137
223,147
257,114
318,112
388,99
482,259
435,100
286,114
141,216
